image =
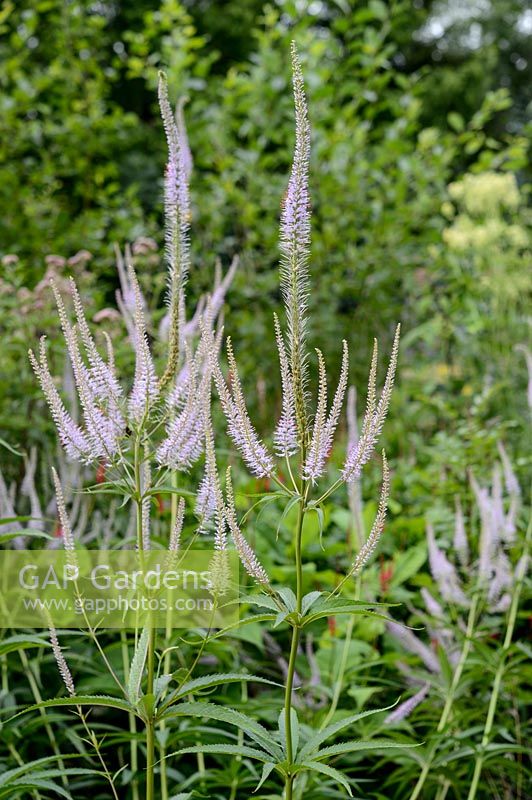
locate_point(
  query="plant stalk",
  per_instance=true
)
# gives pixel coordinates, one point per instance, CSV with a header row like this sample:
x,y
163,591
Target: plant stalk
x,y
296,631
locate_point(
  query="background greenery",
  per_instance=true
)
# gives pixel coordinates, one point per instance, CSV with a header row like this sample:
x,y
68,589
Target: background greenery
x,y
421,214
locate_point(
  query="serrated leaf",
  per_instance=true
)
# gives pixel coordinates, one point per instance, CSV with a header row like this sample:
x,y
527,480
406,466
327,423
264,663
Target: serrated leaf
x,y
350,609
79,700
359,746
324,769
224,749
137,667
21,642
266,772
321,736
30,533
26,785
247,724
208,681
263,601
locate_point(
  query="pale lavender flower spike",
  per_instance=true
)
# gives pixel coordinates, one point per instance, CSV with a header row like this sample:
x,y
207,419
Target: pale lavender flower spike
x,y
177,219
185,433
207,495
359,453
249,560
285,436
411,643
240,427
444,572
71,436
378,526
145,386
354,491
325,425
62,665
405,709
295,245
125,296
431,604
460,538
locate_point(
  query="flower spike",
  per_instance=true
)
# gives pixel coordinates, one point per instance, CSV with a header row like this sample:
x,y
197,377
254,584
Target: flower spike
x,y
249,560
177,216
378,526
285,436
295,245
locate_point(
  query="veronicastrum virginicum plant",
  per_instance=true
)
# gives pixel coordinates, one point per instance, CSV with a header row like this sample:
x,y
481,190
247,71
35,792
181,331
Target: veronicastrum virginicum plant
x,y
302,443
144,438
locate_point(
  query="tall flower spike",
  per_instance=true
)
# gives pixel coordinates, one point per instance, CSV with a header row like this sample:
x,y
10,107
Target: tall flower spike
x,y
62,665
460,542
405,709
378,525
66,528
71,436
145,388
295,246
185,433
311,467
354,492
360,453
411,643
249,560
207,496
146,504
325,426
489,539
240,427
285,436
444,572
125,296
175,536
102,374
183,136
177,218
514,491
103,430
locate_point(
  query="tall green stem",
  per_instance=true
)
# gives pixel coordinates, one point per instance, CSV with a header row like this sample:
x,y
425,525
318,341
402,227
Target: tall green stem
x,y
450,695
293,652
512,616
150,732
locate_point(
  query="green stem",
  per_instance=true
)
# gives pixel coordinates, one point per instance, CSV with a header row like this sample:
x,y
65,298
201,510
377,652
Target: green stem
x,y
293,652
150,759
150,732
133,747
466,647
167,655
512,616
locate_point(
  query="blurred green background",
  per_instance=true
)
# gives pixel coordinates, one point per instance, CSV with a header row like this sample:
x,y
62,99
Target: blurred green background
x,y
420,188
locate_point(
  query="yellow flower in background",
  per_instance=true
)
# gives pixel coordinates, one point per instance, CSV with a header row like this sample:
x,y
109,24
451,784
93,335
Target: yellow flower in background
x,y
487,193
